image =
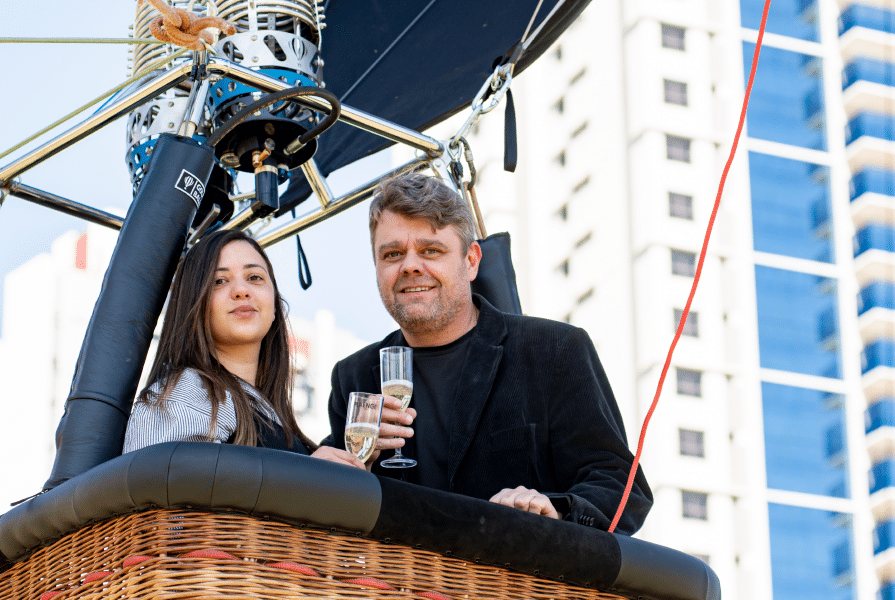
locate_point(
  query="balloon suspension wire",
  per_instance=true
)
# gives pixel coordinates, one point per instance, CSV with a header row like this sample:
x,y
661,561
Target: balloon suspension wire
x,y
705,245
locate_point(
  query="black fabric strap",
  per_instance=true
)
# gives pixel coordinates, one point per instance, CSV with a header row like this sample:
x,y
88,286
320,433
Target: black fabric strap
x,y
510,154
304,269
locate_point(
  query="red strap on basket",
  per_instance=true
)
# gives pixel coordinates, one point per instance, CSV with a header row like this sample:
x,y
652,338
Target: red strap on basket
x,y
295,567
705,245
135,560
209,553
96,575
433,595
48,595
369,582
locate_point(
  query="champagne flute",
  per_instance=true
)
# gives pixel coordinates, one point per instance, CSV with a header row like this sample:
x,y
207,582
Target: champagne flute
x,y
396,368
362,424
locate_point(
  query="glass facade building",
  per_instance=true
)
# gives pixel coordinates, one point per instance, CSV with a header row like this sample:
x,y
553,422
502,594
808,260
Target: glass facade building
x,y
800,325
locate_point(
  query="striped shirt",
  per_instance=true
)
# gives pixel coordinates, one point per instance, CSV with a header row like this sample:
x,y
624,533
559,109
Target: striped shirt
x,y
186,416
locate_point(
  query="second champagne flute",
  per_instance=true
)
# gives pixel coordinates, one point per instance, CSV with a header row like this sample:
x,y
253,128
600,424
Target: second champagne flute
x,y
396,368
362,424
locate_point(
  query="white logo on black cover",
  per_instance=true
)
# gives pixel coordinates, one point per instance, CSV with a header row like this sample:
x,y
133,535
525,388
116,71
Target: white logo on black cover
x,y
190,185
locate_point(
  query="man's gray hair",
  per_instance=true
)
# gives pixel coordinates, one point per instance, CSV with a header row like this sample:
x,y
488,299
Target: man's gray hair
x,y
417,196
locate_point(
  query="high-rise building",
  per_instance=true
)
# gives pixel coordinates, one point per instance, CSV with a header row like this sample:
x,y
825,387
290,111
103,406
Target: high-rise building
x,y
758,451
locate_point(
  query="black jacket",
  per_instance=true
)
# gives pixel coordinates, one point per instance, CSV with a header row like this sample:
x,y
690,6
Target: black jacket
x,y
533,408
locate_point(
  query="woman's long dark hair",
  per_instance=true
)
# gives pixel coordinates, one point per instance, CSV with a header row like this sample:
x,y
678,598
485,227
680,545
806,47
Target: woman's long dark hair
x,y
186,343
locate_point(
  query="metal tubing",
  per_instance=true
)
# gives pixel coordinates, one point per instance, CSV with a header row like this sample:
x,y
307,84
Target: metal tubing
x,y
64,205
351,116
242,220
317,182
193,113
98,120
356,196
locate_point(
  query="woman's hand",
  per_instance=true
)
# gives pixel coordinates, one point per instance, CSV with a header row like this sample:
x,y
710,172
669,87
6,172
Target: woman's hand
x,y
394,427
337,456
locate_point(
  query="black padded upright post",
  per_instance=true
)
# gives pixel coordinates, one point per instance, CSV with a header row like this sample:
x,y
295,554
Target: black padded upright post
x,y
132,297
496,280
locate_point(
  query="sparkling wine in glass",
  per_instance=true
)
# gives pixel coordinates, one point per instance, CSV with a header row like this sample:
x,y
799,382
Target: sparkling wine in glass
x,y
396,367
362,424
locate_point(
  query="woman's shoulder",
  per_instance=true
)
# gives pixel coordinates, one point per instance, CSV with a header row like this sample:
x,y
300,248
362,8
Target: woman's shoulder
x,y
187,387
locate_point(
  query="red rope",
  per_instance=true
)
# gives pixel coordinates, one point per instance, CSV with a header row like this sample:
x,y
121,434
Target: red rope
x,y
705,246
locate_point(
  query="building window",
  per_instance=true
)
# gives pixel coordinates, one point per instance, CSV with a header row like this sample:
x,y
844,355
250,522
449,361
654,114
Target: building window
x,y
584,240
677,148
581,185
691,325
695,505
564,267
672,37
692,443
577,77
585,296
563,212
683,263
560,105
680,206
561,158
689,382
580,130
675,92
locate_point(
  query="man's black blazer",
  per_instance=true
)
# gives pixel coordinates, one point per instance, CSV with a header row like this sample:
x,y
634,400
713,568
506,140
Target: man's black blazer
x,y
533,408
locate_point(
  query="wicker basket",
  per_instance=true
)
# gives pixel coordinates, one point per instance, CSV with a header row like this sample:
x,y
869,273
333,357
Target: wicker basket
x,y
181,554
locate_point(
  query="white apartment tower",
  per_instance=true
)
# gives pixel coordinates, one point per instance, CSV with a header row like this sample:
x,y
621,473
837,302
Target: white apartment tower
x,y
757,452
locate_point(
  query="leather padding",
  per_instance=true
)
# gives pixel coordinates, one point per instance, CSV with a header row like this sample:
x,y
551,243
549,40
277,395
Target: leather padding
x,y
261,482
650,571
496,280
494,534
133,293
302,490
498,535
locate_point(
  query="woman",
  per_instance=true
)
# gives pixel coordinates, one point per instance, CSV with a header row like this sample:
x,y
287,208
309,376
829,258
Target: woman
x,y
221,372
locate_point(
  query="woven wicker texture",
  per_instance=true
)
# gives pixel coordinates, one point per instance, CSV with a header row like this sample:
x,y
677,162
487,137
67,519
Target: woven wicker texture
x,y
236,556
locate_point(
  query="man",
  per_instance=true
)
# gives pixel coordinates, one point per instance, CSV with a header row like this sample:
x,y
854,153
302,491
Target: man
x,y
517,410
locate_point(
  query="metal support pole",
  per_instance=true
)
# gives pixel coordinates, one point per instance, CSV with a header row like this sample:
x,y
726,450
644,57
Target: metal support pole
x,y
193,113
64,205
241,220
98,120
317,182
356,196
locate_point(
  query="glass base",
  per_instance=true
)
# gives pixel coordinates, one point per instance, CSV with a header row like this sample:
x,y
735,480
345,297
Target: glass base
x,y
398,462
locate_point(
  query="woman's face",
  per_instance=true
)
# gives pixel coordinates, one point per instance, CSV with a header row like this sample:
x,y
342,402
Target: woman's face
x,y
242,302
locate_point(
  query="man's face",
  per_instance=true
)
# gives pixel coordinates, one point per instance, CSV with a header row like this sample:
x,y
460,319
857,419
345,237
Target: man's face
x,y
423,273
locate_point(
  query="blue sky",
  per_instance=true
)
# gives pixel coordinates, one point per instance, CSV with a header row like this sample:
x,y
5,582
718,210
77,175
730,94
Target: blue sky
x,y
43,82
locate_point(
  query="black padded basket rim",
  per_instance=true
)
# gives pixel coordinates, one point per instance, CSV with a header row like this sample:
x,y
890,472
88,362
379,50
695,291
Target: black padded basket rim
x,y
253,481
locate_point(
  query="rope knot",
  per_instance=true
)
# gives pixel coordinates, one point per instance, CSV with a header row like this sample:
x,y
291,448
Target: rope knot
x,y
184,29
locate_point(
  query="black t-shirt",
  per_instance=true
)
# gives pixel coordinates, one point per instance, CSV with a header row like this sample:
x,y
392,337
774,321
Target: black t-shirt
x,y
436,376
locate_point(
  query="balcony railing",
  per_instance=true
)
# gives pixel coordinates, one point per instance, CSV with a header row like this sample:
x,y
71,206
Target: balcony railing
x,y
872,179
878,294
874,237
872,125
880,353
883,536
881,414
867,69
881,477
870,17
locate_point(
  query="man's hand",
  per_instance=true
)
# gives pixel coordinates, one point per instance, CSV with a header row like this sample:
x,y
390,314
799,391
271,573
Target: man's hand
x,y
393,428
525,499
337,456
